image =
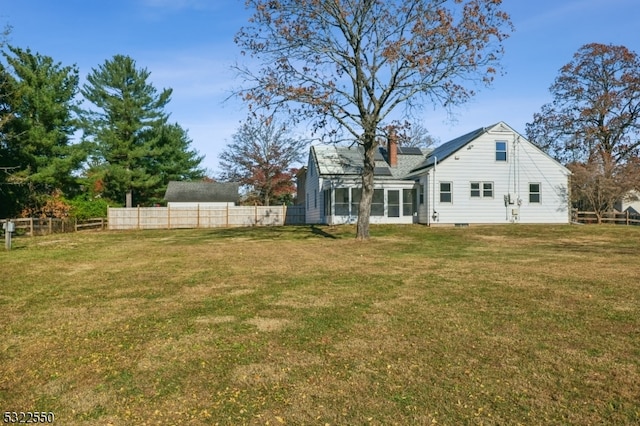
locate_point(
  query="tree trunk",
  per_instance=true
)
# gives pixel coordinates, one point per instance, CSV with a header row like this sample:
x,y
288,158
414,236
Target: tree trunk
x,y
598,217
364,210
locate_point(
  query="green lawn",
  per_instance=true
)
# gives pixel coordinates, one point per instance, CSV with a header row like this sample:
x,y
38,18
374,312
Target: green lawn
x,y
505,325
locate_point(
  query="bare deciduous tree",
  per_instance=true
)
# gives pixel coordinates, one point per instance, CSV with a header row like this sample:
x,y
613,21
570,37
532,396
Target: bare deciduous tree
x,y
347,65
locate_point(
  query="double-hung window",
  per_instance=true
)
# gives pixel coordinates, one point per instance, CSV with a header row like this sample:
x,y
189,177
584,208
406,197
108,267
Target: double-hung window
x,y
534,192
481,189
501,151
445,192
487,189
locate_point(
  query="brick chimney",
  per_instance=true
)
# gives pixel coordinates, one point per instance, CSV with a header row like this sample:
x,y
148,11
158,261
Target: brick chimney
x,y
392,148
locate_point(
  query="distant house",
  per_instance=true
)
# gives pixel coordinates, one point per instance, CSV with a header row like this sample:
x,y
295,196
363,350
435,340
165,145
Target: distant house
x,y
203,194
491,175
630,203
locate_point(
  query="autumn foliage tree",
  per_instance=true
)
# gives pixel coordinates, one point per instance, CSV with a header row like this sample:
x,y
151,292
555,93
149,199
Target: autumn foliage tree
x,y
261,157
347,65
593,124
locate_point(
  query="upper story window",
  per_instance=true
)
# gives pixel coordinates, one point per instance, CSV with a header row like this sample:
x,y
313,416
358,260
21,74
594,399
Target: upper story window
x,y
501,151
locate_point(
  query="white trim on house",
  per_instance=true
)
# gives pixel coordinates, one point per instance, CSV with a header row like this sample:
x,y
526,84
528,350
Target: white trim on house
x,y
487,189
333,179
485,177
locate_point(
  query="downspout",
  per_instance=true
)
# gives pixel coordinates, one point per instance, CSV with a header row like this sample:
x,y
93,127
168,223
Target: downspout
x,y
434,216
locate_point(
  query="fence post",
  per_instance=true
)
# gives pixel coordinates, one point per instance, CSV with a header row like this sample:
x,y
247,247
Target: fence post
x,y
226,224
168,217
31,226
627,214
198,218
138,215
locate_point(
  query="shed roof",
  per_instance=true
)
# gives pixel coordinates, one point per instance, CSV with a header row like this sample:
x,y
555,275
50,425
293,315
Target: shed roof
x,y
202,192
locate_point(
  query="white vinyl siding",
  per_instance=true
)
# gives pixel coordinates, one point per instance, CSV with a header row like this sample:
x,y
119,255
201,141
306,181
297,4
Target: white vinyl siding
x,y
313,185
484,202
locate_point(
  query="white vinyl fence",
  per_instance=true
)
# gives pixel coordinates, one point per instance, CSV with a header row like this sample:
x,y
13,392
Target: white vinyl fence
x,y
203,217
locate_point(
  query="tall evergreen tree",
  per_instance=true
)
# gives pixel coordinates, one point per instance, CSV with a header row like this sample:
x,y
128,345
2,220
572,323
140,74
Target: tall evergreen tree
x,y
171,159
124,128
39,104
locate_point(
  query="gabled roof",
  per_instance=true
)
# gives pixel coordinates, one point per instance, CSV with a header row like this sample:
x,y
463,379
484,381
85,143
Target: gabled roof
x,y
341,160
202,192
446,149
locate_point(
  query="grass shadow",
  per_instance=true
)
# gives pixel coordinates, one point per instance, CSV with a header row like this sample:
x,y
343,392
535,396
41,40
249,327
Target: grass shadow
x,y
317,231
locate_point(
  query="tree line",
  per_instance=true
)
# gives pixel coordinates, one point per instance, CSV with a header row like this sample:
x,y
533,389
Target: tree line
x,y
67,146
342,67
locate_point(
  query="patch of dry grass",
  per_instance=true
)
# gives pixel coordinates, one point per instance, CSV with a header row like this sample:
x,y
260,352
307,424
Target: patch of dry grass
x,y
487,325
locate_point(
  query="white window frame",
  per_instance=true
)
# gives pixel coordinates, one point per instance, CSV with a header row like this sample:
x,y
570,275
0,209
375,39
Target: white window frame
x,y
501,151
481,190
538,193
450,192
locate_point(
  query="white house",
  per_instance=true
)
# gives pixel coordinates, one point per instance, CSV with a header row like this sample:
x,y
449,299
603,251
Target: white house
x,y
489,176
630,203
492,175
333,184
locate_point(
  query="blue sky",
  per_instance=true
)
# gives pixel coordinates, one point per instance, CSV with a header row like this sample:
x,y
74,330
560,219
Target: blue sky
x,y
187,45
